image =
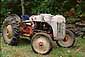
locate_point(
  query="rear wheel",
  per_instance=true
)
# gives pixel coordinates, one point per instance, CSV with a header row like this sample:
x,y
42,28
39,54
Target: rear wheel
x,y
68,41
10,30
41,43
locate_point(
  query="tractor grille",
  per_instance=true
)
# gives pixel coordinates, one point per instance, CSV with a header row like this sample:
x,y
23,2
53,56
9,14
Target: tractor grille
x,y
60,30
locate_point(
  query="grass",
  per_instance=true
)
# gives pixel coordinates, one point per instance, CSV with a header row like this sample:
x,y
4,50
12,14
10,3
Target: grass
x,y
23,49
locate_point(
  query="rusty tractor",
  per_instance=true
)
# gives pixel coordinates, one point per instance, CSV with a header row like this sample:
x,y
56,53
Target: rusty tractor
x,y
42,29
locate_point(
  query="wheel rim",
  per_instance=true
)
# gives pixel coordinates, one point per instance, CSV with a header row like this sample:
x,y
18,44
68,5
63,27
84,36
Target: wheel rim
x,y
66,38
67,41
8,32
41,45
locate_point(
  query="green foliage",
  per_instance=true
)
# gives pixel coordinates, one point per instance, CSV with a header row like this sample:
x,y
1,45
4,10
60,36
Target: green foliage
x,y
42,6
39,6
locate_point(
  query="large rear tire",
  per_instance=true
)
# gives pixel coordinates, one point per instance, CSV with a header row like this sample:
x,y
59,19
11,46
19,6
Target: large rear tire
x,y
41,43
68,41
10,30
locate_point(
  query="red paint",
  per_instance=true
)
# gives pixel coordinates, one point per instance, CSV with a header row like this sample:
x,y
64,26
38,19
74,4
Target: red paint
x,y
26,29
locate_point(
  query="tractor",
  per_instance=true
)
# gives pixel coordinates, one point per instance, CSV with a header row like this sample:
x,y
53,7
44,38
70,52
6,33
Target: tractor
x,y
42,29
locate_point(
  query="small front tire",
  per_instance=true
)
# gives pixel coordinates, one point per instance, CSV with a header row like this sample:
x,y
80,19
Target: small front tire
x,y
68,41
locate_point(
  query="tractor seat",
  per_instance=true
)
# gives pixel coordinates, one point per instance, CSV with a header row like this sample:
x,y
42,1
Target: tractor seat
x,y
25,17
26,20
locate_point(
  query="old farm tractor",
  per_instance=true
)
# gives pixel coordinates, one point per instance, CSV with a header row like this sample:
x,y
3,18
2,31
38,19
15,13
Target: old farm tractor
x,y
42,29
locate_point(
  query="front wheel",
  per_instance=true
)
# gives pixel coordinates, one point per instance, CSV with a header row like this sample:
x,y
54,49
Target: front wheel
x,y
41,43
68,41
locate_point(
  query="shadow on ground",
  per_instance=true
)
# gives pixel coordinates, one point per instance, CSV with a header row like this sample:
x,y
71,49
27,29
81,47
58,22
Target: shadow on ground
x,y
23,41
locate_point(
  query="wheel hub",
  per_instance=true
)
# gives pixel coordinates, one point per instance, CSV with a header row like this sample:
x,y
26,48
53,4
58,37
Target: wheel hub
x,y
66,38
9,31
40,43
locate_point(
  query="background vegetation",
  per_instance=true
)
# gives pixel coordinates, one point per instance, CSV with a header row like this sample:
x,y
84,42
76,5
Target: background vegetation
x,y
41,6
68,8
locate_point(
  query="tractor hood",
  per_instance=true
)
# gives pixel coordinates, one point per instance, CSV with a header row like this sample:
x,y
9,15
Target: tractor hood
x,y
47,18
57,23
